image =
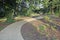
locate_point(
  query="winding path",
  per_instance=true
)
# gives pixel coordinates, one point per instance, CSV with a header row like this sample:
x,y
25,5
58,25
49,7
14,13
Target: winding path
x,y
30,32
12,32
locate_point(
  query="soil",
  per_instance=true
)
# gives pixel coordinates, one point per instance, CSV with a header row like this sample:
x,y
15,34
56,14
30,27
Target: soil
x,y
56,32
29,32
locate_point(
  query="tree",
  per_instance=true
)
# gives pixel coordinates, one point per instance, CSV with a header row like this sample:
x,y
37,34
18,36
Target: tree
x,y
52,5
1,9
27,6
6,7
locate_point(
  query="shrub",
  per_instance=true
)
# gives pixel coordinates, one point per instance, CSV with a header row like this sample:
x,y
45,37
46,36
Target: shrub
x,y
1,27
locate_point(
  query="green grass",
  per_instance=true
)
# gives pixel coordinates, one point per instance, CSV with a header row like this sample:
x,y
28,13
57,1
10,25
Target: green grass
x,y
41,28
10,21
6,23
1,27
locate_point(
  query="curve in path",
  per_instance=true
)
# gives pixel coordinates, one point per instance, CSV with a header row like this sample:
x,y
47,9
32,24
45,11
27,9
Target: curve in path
x,y
12,32
29,32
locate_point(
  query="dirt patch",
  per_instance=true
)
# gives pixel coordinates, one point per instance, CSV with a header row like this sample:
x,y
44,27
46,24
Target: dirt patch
x,y
29,32
51,30
37,23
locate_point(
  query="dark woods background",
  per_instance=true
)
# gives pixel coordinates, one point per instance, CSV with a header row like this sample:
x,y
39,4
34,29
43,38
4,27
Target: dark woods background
x,y
12,8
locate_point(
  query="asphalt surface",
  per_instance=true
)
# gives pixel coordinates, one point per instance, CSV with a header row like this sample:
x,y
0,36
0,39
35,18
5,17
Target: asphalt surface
x,y
12,32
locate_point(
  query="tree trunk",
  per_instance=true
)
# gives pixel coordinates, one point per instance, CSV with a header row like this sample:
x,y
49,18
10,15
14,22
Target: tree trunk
x,y
52,10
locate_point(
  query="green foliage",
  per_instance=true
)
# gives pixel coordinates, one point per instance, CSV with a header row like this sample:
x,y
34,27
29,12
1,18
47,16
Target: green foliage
x,y
20,7
6,7
41,28
45,3
1,27
10,21
51,5
47,18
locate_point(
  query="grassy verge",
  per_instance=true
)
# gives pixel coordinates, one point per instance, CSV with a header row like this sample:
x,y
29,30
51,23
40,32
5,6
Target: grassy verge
x,y
3,19
4,22
1,28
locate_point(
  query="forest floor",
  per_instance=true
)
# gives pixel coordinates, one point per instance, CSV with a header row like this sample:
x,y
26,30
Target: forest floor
x,y
48,28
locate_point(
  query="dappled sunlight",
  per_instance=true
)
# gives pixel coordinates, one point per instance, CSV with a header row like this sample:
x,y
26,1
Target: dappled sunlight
x,y
30,19
38,19
3,20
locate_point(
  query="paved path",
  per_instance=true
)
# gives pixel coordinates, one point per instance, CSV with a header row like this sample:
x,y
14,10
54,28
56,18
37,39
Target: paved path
x,y
12,32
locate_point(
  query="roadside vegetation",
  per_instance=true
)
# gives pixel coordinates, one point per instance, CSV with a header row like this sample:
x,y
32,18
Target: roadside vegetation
x,y
17,10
